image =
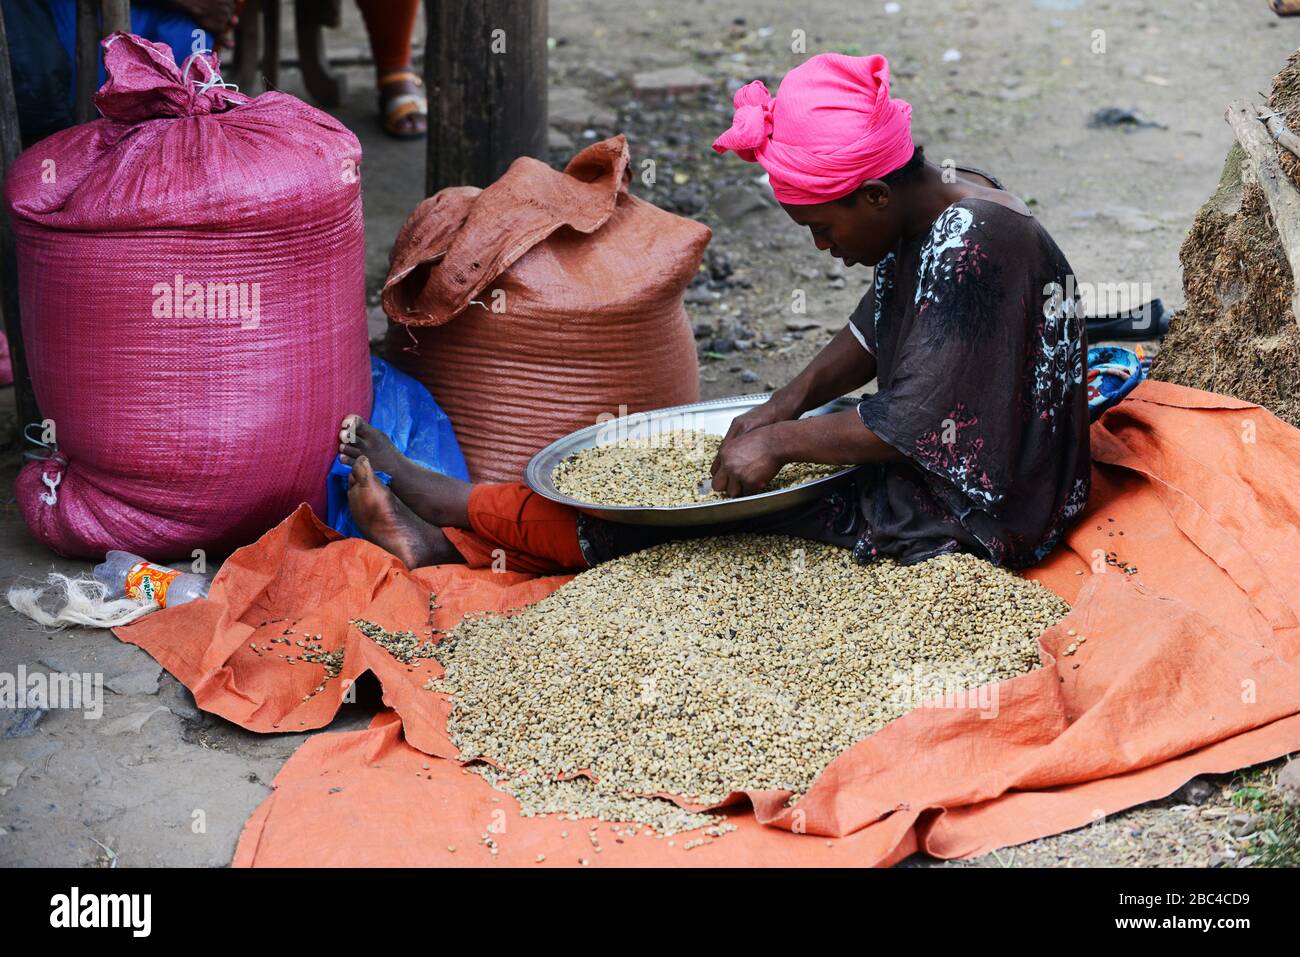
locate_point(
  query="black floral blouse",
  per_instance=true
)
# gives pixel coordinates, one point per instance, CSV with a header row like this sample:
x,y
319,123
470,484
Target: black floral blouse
x,y
980,355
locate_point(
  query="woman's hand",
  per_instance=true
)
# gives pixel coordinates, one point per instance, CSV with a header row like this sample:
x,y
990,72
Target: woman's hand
x,y
746,462
213,16
773,410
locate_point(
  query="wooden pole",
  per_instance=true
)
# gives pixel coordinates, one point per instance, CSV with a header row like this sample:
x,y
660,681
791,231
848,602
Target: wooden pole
x,y
87,60
117,16
1277,128
10,144
271,45
485,70
1279,191
248,44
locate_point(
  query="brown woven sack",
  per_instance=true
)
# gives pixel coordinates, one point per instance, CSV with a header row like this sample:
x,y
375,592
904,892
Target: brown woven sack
x,y
543,302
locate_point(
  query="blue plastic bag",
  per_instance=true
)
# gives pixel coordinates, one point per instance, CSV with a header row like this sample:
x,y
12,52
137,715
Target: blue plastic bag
x,y
405,410
1113,372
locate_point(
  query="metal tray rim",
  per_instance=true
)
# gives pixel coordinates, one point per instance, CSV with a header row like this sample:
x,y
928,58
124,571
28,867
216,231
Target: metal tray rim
x,y
538,475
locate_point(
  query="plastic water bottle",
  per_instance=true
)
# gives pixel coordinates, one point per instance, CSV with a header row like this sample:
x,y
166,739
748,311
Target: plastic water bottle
x,y
130,576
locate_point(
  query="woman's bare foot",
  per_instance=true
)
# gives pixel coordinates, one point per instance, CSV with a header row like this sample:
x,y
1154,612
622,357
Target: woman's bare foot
x,y
438,499
357,437
384,520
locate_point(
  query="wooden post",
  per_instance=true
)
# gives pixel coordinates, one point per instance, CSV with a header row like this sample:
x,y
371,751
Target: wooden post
x,y
10,144
248,44
1263,167
271,45
87,60
485,70
117,16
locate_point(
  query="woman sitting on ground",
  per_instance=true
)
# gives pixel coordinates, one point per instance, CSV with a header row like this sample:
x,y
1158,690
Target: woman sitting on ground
x,y
977,436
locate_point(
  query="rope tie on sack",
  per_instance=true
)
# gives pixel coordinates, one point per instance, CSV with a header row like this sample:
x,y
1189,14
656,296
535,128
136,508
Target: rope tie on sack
x,y
52,496
213,78
52,455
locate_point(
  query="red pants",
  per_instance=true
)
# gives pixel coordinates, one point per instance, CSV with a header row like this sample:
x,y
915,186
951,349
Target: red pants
x,y
390,23
516,528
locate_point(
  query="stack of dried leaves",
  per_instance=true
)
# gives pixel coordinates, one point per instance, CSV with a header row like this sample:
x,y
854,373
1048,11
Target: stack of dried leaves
x,y
1237,334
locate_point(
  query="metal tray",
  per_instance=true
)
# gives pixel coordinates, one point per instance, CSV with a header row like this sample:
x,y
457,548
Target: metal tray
x,y
714,417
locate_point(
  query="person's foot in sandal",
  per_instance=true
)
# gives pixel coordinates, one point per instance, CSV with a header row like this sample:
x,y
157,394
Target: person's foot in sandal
x,y
403,107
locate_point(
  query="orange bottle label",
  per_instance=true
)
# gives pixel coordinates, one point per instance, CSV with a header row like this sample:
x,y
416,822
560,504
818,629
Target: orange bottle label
x,y
149,583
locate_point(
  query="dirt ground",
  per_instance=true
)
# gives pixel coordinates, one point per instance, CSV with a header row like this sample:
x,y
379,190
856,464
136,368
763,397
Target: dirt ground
x,y
1004,85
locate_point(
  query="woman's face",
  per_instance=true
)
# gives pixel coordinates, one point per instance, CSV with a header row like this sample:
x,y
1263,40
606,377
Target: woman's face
x,y
863,231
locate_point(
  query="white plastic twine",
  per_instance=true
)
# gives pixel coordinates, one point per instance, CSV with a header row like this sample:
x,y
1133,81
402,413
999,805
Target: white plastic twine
x,y
52,496
79,601
214,78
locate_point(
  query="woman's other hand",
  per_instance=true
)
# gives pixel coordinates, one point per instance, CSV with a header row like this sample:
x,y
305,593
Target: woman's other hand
x,y
746,462
775,409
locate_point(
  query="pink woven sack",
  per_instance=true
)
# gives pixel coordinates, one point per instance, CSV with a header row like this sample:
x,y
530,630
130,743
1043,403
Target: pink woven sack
x,y
192,281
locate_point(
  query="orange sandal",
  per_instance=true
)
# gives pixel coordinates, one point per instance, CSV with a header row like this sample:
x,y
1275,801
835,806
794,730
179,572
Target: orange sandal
x,y
396,109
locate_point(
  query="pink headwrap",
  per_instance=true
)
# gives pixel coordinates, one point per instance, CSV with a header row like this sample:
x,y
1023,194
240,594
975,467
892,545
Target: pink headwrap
x,y
832,127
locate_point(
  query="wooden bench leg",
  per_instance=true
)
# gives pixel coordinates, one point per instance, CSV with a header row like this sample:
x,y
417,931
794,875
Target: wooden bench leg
x,y
325,88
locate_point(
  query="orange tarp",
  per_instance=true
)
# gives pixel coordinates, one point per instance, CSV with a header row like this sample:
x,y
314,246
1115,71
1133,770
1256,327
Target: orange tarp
x,y
1192,666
